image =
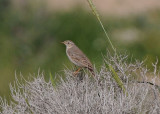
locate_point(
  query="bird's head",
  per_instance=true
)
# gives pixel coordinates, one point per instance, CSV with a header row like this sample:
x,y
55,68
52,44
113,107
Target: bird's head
x,y
68,43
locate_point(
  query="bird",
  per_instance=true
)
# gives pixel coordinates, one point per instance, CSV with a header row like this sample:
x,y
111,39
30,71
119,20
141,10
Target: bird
x,y
77,57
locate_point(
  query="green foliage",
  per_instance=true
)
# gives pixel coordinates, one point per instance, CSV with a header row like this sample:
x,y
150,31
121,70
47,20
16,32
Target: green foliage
x,y
4,4
53,81
117,79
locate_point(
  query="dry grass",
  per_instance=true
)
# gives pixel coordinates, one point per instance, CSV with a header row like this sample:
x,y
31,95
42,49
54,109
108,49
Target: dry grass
x,y
99,95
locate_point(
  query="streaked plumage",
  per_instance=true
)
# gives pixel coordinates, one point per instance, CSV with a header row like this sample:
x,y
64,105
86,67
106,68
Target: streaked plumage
x,y
77,57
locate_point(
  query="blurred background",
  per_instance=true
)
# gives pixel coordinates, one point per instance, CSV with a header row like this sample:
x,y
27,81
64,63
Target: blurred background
x,y
31,32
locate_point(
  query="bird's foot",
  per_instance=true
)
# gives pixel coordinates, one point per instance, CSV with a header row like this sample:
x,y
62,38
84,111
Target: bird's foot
x,y
76,72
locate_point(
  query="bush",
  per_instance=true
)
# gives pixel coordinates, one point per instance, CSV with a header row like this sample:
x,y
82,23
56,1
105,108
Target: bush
x,y
100,94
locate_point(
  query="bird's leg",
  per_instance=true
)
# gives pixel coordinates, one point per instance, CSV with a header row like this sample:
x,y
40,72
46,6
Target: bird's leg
x,y
75,73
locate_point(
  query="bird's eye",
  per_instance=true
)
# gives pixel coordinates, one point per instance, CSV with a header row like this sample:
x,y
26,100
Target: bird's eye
x,y
68,42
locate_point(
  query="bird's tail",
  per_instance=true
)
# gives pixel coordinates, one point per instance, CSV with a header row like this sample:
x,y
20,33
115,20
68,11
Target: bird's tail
x,y
92,71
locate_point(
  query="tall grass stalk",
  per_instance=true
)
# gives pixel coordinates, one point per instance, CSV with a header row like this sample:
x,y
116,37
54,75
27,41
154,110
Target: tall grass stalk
x,y
115,76
92,6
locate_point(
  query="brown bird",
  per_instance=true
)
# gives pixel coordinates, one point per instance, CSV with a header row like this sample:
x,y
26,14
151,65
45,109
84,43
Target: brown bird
x,y
77,57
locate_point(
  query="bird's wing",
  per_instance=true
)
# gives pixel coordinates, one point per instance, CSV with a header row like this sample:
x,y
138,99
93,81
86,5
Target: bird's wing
x,y
81,59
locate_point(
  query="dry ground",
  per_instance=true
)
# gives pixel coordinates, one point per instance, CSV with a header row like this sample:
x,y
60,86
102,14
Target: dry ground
x,y
112,7
106,7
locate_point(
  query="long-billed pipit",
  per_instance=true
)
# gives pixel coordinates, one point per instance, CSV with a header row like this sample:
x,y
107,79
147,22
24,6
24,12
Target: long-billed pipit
x,y
77,57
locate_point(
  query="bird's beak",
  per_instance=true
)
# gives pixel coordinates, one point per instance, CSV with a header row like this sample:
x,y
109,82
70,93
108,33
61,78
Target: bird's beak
x,y
62,42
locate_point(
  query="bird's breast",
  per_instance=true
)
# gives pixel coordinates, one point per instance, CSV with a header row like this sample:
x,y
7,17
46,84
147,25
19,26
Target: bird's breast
x,y
70,56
